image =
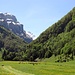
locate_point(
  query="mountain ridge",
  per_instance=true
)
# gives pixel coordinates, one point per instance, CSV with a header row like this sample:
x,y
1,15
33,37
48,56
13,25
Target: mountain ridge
x,y
58,39
10,22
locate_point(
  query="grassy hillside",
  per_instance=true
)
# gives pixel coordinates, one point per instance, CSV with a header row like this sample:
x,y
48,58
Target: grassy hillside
x,y
59,39
11,46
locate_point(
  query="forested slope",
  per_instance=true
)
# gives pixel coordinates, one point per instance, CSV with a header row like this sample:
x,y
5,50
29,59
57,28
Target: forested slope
x,y
59,39
12,47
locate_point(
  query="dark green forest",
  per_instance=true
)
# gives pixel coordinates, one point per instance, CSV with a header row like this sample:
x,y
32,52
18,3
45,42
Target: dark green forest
x,y
57,40
11,46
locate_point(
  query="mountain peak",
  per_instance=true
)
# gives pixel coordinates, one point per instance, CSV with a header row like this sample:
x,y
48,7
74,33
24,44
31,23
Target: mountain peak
x,y
10,22
29,34
8,14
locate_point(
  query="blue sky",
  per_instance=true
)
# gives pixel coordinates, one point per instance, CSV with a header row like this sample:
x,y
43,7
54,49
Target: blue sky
x,y
37,15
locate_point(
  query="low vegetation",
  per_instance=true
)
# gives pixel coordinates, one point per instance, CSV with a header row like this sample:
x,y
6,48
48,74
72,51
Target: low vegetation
x,y
36,68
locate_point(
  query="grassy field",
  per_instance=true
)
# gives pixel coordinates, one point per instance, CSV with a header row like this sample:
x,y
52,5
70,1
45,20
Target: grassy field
x,y
38,68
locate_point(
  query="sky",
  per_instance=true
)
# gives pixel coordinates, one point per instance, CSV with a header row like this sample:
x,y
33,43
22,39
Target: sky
x,y
37,15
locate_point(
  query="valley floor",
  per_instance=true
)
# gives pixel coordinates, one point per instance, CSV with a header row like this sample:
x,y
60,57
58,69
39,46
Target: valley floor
x,y
36,68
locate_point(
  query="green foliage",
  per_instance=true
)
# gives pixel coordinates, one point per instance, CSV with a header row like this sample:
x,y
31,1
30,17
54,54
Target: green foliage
x,y
12,47
56,40
48,54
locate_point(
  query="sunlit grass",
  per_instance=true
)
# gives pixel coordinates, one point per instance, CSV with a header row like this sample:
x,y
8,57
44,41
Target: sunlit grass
x,y
40,68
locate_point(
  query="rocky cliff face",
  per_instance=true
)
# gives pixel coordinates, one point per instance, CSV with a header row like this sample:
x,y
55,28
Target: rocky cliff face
x,y
10,22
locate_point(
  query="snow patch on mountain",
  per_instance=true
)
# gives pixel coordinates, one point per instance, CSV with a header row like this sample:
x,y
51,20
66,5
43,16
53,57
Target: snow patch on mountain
x,y
29,34
8,14
2,20
10,22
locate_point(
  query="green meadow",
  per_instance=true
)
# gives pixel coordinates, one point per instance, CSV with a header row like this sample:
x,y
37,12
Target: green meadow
x,y
36,68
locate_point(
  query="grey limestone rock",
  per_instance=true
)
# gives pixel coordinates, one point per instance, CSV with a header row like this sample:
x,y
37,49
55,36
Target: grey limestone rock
x,y
10,22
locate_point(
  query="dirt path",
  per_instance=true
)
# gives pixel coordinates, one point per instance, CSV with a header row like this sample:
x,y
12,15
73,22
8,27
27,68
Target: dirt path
x,y
14,71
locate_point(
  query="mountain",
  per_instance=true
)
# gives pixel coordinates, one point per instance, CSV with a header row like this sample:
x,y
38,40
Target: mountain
x,y
10,22
57,40
12,47
29,34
